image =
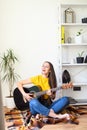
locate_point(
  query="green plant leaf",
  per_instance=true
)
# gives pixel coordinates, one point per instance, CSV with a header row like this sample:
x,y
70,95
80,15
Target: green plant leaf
x,y
80,54
8,62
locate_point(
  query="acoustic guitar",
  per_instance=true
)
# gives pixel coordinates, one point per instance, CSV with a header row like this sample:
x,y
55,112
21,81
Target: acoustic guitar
x,y
33,91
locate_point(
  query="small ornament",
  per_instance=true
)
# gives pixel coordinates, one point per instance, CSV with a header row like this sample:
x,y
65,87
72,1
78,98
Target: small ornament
x,y
69,16
69,39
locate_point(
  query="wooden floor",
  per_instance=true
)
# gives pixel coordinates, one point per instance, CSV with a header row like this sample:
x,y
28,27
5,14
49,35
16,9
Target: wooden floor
x,y
67,126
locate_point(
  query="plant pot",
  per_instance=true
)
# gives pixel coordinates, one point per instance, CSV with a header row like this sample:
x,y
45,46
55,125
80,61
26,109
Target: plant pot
x,y
80,59
10,102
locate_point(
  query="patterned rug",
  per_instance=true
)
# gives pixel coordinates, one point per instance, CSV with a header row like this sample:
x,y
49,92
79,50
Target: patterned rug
x,y
19,119
23,120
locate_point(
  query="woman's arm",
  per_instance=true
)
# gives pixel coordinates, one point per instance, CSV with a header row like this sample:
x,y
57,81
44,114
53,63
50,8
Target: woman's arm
x,y
20,85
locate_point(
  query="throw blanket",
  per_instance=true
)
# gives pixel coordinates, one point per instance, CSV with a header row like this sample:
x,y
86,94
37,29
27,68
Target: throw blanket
x,y
23,120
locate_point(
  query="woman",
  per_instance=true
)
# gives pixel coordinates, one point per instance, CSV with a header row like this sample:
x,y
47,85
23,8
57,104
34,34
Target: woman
x,y
46,81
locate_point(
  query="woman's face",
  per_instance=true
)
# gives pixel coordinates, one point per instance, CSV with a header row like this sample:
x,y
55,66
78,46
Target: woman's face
x,y
46,68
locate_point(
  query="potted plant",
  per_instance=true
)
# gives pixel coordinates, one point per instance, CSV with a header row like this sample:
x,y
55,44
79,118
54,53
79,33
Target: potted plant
x,y
78,37
80,58
8,62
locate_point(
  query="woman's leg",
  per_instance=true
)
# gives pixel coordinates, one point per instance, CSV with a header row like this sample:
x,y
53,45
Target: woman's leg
x,y
59,104
36,107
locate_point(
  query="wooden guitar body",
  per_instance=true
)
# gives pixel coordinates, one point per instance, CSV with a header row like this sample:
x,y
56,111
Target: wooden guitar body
x,y
19,100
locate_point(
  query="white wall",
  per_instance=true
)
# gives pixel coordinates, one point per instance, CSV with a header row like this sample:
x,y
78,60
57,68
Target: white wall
x,y
30,28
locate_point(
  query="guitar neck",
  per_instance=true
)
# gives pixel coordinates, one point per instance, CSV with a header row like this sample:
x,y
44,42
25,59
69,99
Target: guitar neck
x,y
44,92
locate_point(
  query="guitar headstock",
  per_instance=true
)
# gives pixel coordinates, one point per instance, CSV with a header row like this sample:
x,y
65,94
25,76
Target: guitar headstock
x,y
67,85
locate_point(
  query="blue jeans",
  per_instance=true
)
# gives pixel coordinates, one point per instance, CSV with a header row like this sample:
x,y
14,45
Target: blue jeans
x,y
58,105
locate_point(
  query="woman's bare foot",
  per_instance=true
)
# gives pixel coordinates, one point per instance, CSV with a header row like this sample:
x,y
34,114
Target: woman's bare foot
x,y
60,116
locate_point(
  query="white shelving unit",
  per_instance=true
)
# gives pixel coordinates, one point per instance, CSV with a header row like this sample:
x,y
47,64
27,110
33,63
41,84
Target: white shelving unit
x,y
69,51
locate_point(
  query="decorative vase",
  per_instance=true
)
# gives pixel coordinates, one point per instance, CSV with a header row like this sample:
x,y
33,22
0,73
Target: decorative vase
x,y
78,39
85,61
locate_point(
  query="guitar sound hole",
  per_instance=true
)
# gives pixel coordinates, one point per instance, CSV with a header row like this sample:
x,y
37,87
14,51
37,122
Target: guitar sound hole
x,y
31,94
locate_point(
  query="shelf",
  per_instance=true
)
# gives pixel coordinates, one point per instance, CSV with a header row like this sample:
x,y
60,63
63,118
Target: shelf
x,y
73,44
69,48
79,84
74,64
73,24
80,102
72,4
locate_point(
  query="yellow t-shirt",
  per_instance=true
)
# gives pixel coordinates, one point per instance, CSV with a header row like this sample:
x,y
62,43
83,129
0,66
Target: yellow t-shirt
x,y
41,82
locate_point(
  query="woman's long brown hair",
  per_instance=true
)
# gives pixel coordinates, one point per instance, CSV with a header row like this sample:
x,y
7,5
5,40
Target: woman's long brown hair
x,y
52,77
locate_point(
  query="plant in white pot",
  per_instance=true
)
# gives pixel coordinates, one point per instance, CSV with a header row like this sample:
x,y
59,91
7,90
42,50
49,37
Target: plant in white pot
x,y
8,62
78,37
80,58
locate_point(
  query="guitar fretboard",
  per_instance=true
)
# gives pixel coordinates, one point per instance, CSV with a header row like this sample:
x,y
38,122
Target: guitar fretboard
x,y
44,92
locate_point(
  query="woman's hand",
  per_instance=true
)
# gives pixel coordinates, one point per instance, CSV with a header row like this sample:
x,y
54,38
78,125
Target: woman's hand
x,y
67,85
49,92
27,97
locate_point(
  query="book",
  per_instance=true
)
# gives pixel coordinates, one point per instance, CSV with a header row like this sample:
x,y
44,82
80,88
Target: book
x,y
62,34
